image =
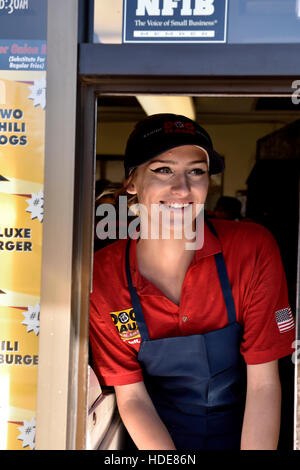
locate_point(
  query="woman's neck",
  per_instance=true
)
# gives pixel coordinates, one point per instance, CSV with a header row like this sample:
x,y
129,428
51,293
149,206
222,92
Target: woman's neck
x,y
164,263
168,257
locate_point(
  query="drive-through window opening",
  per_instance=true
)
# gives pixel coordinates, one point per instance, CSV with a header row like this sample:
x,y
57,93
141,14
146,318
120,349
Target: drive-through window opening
x,y
257,105
251,134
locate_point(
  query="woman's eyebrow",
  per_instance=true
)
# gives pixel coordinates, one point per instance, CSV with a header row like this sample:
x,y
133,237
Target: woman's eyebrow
x,y
204,160
175,163
163,161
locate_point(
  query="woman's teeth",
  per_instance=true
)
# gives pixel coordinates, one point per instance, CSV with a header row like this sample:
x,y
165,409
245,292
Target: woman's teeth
x,y
176,205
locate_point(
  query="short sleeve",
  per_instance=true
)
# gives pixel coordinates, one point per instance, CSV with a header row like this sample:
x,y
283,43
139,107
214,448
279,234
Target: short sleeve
x,y
269,329
114,362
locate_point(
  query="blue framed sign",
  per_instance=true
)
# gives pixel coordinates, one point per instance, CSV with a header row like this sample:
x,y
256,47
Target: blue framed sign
x,y
175,21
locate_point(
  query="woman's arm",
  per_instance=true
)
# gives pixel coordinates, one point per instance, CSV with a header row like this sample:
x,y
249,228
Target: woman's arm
x,y
141,419
263,407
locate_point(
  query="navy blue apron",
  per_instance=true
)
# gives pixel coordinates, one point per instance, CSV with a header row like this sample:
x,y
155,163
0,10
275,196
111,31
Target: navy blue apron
x,y
196,382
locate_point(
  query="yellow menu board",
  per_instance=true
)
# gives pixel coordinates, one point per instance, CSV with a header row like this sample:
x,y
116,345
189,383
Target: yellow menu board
x,y
22,136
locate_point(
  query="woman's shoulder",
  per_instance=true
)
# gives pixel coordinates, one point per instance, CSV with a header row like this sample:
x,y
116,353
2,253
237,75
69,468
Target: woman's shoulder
x,y
108,263
111,253
248,232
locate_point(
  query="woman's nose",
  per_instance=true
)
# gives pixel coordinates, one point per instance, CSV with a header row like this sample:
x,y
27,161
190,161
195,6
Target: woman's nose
x,y
180,185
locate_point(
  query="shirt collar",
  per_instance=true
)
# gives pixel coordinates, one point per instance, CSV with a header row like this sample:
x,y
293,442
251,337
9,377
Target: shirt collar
x,y
210,247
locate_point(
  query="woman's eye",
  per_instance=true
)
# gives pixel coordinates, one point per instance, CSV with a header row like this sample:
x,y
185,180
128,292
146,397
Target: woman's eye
x,y
197,171
165,170
162,170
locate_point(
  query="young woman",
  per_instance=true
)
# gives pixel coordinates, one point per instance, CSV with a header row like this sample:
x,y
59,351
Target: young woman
x,y
189,338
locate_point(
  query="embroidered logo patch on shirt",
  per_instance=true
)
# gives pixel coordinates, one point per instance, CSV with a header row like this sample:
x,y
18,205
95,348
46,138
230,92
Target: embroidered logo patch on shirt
x,y
124,321
285,320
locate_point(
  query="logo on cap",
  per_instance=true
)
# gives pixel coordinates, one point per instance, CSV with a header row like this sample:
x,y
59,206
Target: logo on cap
x,y
179,126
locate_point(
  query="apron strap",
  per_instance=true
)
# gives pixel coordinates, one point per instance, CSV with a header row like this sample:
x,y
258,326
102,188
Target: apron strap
x,y
224,280
226,289
138,312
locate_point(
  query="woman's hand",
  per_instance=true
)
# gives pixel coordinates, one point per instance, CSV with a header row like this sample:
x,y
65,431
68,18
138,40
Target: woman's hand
x,y
141,418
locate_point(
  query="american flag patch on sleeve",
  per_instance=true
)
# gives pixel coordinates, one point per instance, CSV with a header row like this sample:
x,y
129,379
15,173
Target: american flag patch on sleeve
x,y
284,319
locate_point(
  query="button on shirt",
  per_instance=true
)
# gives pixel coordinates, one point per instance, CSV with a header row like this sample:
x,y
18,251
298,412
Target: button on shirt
x,y
258,286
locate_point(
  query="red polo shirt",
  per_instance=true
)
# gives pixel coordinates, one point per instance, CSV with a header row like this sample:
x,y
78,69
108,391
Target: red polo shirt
x,y
259,290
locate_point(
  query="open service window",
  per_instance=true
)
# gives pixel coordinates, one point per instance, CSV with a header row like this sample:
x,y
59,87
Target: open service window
x,y
258,139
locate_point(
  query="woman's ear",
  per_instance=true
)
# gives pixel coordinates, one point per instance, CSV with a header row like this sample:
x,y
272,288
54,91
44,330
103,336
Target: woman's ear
x,y
130,185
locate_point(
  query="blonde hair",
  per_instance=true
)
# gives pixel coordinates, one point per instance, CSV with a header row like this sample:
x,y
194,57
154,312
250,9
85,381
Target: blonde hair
x,y
116,190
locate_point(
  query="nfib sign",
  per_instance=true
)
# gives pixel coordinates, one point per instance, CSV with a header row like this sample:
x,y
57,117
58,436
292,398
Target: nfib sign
x,y
167,7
